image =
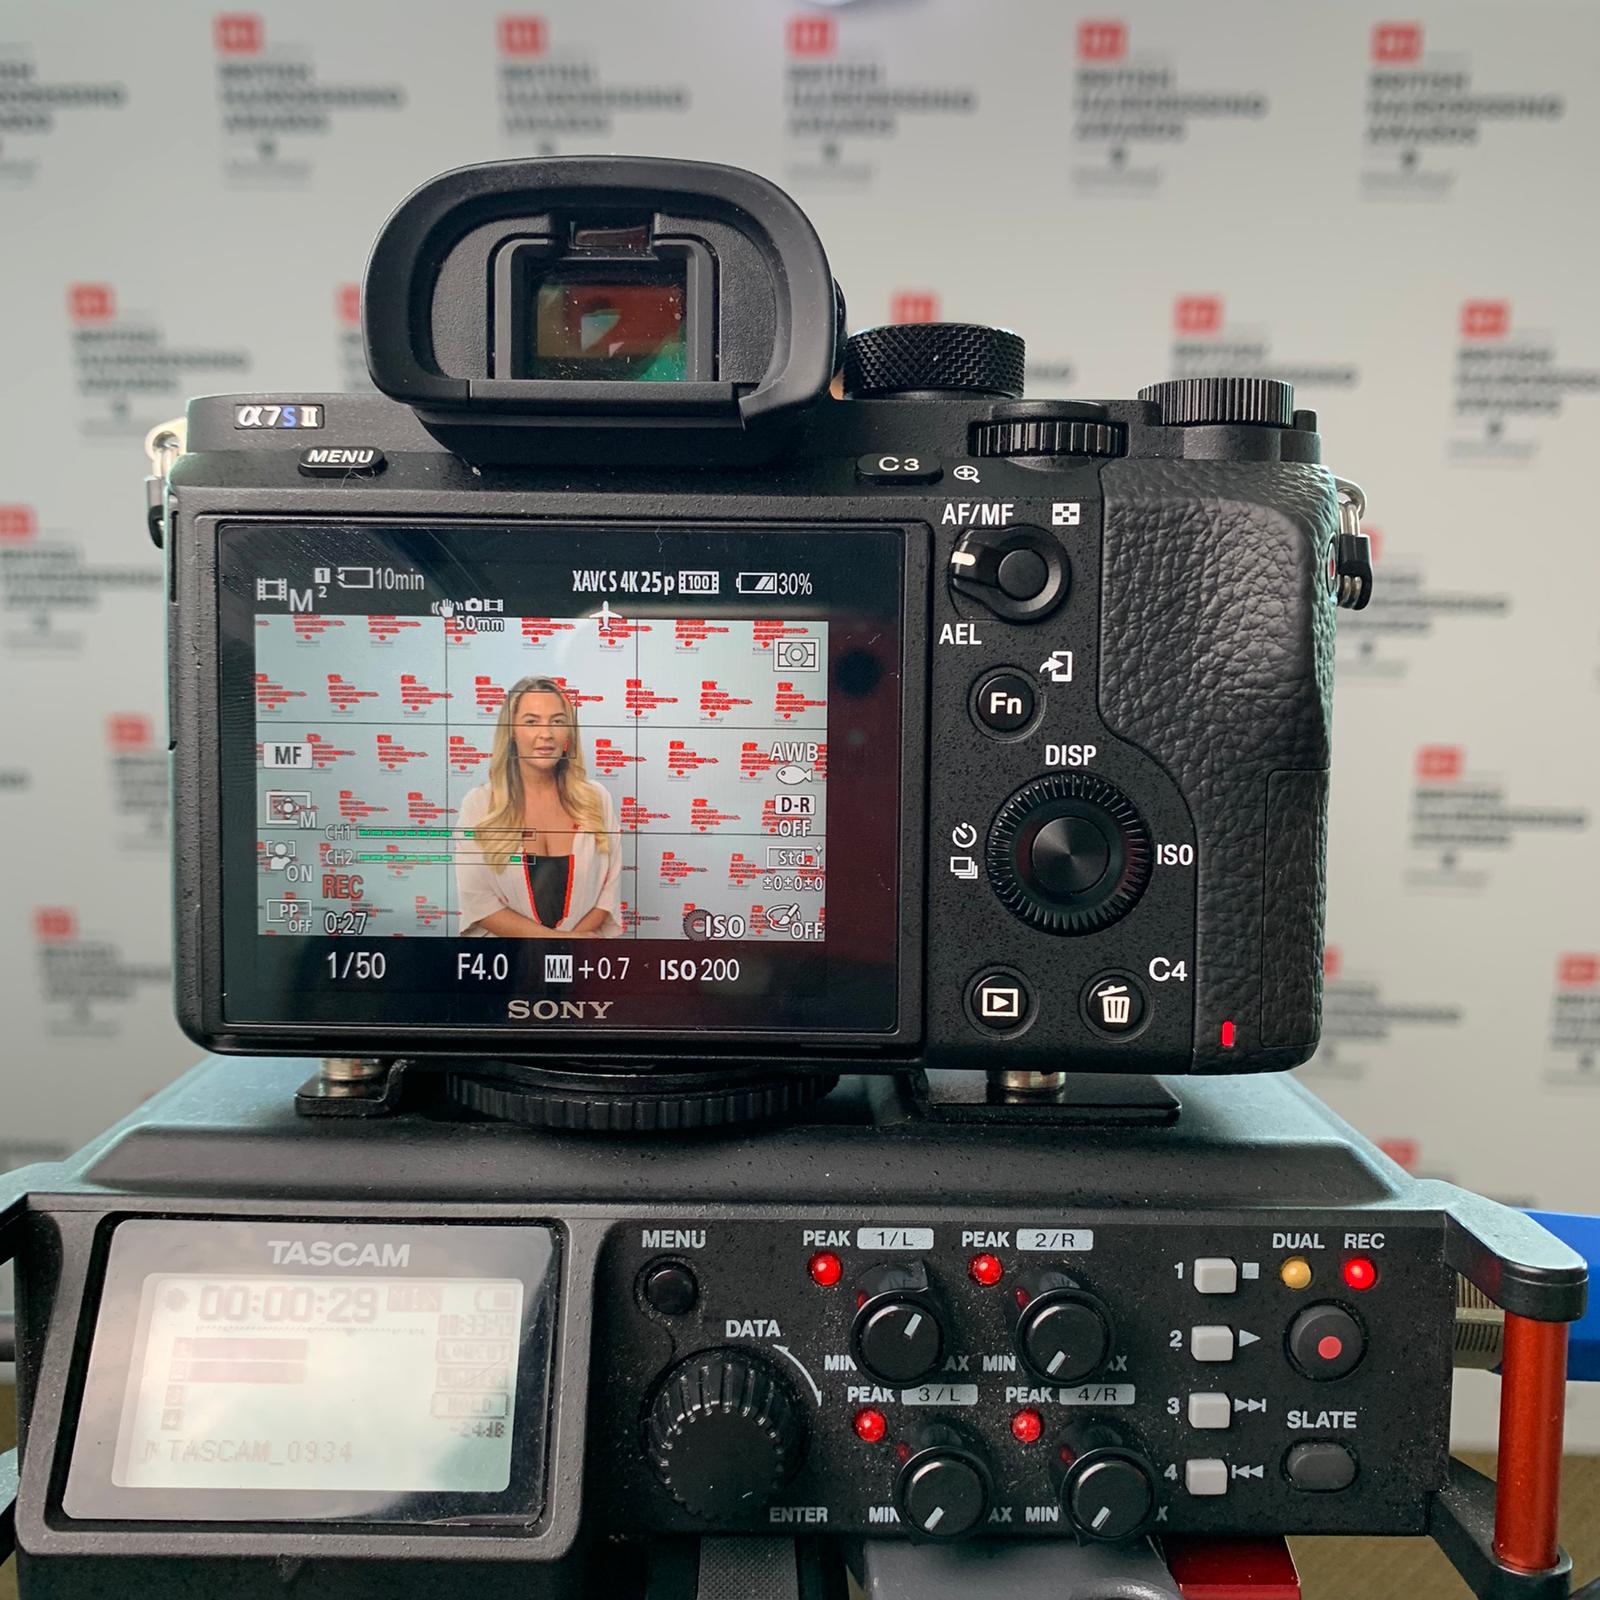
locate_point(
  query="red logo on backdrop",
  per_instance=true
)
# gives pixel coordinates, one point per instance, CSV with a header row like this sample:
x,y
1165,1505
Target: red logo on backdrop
x,y
636,816
535,630
352,809
689,633
1403,1152
741,869
681,760
427,912
754,762
92,302
347,301
324,754
637,699
1440,761
272,696
616,631
674,869
577,696
716,701
704,816
1198,313
1102,40
914,305
342,694
462,755
1485,319
387,628
392,754
811,36
788,701
1397,41
610,759
239,33
490,696
523,36
1332,961
1578,971
129,730
423,811
765,629
819,767
312,625
416,695
18,522
54,925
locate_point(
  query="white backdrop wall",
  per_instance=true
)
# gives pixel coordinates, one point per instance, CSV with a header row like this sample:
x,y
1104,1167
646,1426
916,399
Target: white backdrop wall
x,y
1393,209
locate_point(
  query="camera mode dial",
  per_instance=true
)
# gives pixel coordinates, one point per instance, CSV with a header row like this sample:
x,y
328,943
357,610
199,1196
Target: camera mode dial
x,y
1069,854
724,1433
928,357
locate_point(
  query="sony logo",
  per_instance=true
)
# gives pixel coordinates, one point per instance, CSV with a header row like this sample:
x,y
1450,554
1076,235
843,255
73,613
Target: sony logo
x,y
345,1253
295,416
557,1010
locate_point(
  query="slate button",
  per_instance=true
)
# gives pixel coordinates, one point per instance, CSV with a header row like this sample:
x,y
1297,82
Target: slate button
x,y
342,461
1319,1467
670,1288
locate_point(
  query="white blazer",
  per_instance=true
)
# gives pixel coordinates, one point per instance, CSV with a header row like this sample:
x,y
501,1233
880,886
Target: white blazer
x,y
481,890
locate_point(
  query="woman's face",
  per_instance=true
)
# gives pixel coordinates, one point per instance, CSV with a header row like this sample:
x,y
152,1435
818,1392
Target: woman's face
x,y
542,729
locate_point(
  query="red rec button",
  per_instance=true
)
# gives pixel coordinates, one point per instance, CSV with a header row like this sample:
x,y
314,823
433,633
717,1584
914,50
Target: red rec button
x,y
1326,1341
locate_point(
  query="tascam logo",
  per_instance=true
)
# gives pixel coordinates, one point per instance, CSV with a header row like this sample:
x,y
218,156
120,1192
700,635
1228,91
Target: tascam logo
x,y
341,1253
557,1010
292,416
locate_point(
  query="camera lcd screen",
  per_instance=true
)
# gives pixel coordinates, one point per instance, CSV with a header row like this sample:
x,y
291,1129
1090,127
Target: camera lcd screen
x,y
499,777
627,328
266,1370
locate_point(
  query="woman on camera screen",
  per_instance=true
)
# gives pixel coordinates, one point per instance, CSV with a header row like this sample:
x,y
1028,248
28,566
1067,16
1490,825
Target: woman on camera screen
x,y
538,853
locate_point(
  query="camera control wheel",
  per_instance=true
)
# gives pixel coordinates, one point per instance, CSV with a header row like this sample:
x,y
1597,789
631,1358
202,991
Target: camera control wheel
x,y
1069,854
724,1433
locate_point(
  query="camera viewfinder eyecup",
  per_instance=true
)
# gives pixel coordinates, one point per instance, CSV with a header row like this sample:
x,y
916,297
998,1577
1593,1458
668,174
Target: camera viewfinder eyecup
x,y
556,309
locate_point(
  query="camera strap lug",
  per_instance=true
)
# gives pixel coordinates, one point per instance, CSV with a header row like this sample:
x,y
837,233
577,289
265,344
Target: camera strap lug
x,y
162,446
1351,559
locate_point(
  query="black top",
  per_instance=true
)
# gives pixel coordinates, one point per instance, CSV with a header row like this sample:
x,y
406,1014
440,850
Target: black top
x,y
549,884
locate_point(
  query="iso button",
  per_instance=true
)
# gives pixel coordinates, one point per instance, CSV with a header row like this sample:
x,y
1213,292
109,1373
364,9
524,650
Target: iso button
x,y
1004,703
916,467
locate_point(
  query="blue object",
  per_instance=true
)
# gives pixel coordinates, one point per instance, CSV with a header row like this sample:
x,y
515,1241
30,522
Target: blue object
x,y
1583,1340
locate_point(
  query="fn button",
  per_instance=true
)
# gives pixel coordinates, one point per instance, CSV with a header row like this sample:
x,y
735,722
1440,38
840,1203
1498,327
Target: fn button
x,y
999,1002
1003,703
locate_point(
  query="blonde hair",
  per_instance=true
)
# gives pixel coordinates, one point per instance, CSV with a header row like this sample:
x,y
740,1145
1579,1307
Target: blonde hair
x,y
499,835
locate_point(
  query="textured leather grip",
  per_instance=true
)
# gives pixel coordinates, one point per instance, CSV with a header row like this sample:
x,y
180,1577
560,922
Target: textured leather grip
x,y
1216,659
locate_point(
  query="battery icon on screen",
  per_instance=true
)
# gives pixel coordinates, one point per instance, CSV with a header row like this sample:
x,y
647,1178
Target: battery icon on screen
x,y
757,583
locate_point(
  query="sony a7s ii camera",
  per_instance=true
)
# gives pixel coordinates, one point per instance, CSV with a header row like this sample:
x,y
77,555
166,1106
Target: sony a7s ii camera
x,y
650,676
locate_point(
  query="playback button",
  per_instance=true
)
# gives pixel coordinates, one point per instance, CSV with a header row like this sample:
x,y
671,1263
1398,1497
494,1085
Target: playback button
x,y
999,1002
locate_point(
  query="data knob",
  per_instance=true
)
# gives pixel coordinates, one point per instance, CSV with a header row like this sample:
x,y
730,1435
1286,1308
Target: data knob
x,y
1069,853
898,1334
1105,1480
1062,1332
943,1490
724,1432
1191,402
1020,573
926,357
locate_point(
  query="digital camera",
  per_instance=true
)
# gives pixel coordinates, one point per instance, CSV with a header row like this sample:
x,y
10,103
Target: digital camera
x,y
651,677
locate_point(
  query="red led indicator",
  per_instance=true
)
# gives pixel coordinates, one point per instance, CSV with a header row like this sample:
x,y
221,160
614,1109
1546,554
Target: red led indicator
x,y
825,1268
1227,1035
986,1270
1360,1273
871,1425
1027,1426
1330,1347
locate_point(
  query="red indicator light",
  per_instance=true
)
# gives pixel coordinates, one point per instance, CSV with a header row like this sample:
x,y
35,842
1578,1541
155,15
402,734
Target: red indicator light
x,y
1027,1426
871,1425
1227,1035
1360,1273
986,1270
825,1268
1330,1347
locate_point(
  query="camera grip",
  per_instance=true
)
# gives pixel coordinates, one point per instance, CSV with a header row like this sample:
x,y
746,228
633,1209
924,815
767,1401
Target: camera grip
x,y
1216,659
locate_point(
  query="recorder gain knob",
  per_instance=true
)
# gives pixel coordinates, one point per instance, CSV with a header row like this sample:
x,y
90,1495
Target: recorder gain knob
x,y
1069,853
928,357
724,1433
1106,1483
